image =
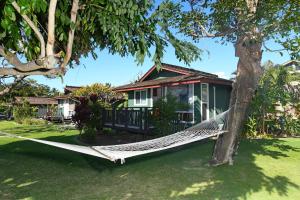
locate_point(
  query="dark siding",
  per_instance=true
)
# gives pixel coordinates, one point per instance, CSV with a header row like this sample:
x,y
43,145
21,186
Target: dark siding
x,y
161,74
197,107
222,98
211,100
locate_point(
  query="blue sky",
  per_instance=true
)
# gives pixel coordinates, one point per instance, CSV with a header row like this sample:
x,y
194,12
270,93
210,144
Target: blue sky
x,y
121,70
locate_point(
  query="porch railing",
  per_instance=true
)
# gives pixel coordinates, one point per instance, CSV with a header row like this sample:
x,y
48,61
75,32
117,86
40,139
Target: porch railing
x,y
138,119
134,119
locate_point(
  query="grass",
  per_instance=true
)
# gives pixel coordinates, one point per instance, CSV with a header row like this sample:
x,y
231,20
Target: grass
x,y
264,169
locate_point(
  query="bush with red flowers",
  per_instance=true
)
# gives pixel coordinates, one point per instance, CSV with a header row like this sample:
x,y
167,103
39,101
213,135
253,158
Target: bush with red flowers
x,y
88,116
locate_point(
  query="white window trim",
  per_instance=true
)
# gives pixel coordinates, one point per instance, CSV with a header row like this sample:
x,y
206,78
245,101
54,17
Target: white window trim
x,y
193,90
215,102
207,110
140,104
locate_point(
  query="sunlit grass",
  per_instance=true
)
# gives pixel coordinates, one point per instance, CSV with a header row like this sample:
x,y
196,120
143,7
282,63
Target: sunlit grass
x,y
263,169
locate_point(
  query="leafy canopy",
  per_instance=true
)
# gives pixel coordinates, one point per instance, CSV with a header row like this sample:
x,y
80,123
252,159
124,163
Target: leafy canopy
x,y
276,20
125,27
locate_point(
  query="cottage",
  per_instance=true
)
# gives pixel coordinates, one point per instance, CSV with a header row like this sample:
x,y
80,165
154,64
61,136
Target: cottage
x,y
66,106
206,93
43,104
64,103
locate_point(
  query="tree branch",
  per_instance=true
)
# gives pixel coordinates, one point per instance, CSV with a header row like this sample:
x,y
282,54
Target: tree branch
x,y
33,27
43,72
74,11
205,33
51,28
273,50
18,65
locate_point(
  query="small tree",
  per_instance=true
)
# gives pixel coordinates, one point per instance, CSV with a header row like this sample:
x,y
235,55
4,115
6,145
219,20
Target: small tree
x,y
164,115
88,116
275,90
103,91
23,111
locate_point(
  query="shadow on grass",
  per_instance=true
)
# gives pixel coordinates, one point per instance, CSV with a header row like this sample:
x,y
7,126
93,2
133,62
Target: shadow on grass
x,y
181,173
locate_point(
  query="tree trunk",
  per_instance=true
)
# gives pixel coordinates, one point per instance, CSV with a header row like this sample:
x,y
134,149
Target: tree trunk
x,y
248,74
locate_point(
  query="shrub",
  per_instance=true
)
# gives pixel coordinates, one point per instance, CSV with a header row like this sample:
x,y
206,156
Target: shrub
x,y
88,116
23,111
275,107
164,114
33,121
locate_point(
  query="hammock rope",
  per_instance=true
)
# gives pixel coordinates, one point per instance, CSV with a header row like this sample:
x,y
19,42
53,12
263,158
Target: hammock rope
x,y
206,129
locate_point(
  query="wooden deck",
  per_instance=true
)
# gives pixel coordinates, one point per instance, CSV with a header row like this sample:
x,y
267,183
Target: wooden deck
x,y
139,119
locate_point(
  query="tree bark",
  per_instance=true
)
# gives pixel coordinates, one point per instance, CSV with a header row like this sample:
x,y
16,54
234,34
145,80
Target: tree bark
x,y
248,73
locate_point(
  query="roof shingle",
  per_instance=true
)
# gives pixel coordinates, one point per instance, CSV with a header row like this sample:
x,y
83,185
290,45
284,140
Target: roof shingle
x,y
37,100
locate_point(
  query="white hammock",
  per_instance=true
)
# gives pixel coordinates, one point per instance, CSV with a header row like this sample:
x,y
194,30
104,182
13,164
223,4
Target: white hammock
x,y
205,129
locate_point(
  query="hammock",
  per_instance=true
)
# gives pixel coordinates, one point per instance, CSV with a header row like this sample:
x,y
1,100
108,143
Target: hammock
x,y
200,131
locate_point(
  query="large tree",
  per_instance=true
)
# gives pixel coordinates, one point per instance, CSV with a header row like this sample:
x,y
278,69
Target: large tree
x,y
44,37
248,25
28,88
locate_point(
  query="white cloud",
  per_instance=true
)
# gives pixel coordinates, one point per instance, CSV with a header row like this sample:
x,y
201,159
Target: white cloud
x,y
222,75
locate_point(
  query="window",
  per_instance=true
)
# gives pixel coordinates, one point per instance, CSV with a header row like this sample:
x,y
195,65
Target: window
x,y
140,97
181,92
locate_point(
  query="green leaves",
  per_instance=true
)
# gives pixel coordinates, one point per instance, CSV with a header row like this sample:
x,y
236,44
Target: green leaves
x,y
10,12
130,27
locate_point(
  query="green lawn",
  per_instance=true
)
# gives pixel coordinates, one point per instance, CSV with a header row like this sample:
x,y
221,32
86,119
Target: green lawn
x,y
264,169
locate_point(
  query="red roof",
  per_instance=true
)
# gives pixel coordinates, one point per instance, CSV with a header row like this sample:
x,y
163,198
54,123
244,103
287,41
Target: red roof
x,y
177,69
188,76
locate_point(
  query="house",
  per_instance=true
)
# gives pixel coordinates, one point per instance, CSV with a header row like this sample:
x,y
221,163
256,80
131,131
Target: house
x,y
69,89
43,104
206,93
65,104
295,64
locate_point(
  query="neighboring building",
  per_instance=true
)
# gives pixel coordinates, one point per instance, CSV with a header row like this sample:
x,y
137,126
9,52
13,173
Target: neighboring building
x,y
295,64
69,89
206,93
43,104
65,103
66,106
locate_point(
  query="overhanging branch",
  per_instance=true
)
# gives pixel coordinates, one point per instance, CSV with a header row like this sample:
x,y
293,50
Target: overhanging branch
x,y
273,50
44,72
51,27
33,27
18,65
74,11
